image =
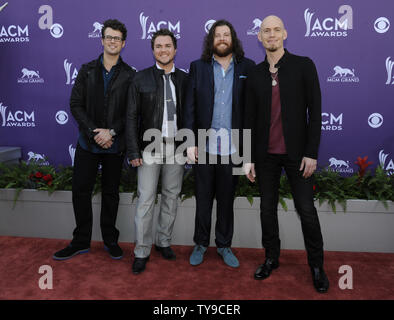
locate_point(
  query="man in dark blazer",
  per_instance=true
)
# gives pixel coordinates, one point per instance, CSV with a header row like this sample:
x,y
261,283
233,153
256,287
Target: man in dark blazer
x,y
283,110
214,102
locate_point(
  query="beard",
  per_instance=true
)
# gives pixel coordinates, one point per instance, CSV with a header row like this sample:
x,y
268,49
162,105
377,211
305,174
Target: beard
x,y
272,49
224,52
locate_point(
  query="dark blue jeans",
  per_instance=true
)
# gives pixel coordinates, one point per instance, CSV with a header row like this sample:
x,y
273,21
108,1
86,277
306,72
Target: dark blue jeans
x,y
84,178
214,181
268,175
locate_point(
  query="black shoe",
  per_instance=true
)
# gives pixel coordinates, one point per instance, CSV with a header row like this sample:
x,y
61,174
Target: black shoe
x,y
69,252
266,268
320,280
114,251
139,264
166,252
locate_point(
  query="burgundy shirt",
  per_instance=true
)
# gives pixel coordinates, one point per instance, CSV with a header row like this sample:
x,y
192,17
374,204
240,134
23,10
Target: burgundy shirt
x,y
276,142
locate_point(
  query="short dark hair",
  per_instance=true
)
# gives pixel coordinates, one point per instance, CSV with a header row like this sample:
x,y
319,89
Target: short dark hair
x,y
163,32
208,41
116,25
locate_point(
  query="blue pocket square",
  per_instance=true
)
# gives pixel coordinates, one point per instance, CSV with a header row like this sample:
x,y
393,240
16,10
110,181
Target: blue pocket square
x,y
242,77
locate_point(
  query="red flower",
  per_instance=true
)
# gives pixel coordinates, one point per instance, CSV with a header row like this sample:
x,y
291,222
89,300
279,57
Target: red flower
x,y
47,177
38,175
363,164
314,187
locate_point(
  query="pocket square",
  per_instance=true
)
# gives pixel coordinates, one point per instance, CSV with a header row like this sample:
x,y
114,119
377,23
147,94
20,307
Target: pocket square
x,y
242,77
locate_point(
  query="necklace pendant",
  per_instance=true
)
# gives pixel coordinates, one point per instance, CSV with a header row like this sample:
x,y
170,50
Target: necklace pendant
x,y
274,83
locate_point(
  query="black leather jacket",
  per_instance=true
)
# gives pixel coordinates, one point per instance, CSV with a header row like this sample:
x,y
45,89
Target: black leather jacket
x,y
146,106
91,109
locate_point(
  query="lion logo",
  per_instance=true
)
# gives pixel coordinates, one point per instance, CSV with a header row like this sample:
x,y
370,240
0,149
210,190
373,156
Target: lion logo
x,y
256,24
35,156
29,73
256,27
343,72
97,27
338,163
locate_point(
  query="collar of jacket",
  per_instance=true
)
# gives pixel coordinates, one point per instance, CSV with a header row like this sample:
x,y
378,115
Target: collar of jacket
x,y
236,60
99,63
281,62
160,72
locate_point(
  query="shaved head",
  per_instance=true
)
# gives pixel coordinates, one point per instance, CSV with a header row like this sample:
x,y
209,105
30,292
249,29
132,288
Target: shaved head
x,y
272,20
272,33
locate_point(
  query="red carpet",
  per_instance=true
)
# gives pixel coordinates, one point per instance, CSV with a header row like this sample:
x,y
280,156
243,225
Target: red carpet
x,y
96,276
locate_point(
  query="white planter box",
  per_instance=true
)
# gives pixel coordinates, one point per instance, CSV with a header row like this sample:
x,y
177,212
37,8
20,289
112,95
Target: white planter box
x,y
366,226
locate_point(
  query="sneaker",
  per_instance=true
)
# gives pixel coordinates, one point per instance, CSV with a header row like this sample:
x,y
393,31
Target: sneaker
x,y
228,257
197,256
69,252
114,251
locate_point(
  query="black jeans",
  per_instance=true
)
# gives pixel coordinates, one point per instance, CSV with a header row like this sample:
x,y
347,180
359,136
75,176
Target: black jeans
x,y
214,180
268,175
84,178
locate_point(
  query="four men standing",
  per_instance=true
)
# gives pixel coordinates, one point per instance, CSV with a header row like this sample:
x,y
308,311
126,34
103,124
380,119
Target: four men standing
x,y
282,109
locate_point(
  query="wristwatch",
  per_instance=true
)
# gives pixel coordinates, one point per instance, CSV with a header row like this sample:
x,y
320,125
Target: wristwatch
x,y
112,132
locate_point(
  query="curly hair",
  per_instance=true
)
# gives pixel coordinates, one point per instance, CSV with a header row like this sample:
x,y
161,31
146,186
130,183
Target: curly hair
x,y
116,25
207,52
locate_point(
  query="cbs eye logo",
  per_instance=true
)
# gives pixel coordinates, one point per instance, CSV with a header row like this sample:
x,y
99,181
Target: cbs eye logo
x,y
381,25
61,117
56,30
375,120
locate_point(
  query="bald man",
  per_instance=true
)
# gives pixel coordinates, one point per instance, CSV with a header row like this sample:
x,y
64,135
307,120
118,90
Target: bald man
x,y
283,110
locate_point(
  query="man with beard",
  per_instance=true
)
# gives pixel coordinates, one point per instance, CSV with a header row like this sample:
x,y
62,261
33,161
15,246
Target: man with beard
x,y
155,102
283,110
214,102
98,103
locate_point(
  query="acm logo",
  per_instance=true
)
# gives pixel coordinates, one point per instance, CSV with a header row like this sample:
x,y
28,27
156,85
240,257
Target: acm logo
x,y
14,33
71,75
331,26
149,28
385,163
18,118
330,122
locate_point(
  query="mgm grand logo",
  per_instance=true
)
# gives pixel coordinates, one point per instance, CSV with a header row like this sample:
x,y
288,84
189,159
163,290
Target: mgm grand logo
x,y
343,75
341,166
30,76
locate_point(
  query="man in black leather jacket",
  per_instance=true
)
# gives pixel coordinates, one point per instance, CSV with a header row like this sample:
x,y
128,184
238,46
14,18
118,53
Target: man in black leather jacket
x,y
155,104
98,103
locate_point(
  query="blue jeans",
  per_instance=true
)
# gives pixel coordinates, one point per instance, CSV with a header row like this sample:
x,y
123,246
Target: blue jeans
x,y
214,181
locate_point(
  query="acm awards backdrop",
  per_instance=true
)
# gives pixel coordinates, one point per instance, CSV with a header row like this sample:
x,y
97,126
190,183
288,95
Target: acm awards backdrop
x,y
44,43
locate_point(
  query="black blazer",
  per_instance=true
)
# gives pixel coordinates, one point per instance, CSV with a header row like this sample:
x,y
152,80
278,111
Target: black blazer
x,y
300,99
91,109
146,106
199,101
